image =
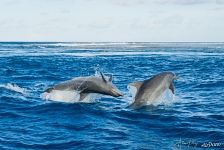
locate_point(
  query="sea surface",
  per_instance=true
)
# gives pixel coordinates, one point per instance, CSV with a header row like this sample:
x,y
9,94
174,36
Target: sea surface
x,y
194,120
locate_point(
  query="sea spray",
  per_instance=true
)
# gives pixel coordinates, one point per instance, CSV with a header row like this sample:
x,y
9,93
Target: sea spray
x,y
69,96
14,87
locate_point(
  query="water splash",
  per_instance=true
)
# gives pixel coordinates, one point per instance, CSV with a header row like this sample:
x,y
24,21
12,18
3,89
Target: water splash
x,y
69,96
14,87
132,90
167,98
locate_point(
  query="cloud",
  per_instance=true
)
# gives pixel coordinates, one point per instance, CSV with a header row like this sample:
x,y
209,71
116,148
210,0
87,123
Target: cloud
x,y
126,3
112,20
220,2
183,2
96,25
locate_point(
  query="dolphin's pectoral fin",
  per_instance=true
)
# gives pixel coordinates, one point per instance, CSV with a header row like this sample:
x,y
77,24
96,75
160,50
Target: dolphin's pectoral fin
x,y
136,84
172,87
83,96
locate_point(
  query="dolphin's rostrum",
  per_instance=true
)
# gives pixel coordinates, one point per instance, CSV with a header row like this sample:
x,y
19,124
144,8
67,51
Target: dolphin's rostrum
x,y
87,85
149,90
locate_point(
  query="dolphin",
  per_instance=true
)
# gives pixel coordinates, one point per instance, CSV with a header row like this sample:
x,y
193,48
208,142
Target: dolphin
x,y
149,90
87,85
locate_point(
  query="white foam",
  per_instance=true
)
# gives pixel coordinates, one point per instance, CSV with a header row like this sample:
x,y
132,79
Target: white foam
x,y
15,88
132,90
68,96
166,98
71,44
103,53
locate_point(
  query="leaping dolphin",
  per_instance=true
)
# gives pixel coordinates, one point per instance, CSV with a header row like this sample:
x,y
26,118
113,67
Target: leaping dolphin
x,y
87,85
149,90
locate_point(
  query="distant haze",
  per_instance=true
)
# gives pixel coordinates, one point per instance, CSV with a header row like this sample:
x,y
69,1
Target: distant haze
x,y
112,20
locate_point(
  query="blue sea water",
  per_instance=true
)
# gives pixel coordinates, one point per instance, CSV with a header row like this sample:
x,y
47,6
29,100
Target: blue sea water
x,y
194,121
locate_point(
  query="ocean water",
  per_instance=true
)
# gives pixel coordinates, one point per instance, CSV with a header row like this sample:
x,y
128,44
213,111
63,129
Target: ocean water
x,y
194,119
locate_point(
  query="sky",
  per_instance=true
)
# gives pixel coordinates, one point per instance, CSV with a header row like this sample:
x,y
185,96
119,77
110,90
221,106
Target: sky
x,y
112,20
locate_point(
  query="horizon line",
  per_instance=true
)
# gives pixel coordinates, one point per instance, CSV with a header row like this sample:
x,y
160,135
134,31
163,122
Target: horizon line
x,y
103,42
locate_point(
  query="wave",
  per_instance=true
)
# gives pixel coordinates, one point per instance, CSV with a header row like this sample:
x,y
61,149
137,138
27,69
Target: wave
x,y
80,44
148,44
104,53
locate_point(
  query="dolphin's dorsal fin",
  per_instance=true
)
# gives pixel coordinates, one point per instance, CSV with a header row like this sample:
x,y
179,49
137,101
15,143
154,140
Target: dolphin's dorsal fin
x,y
102,75
172,87
136,84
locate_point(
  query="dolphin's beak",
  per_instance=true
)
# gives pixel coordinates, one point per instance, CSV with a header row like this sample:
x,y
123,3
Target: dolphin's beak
x,y
116,93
